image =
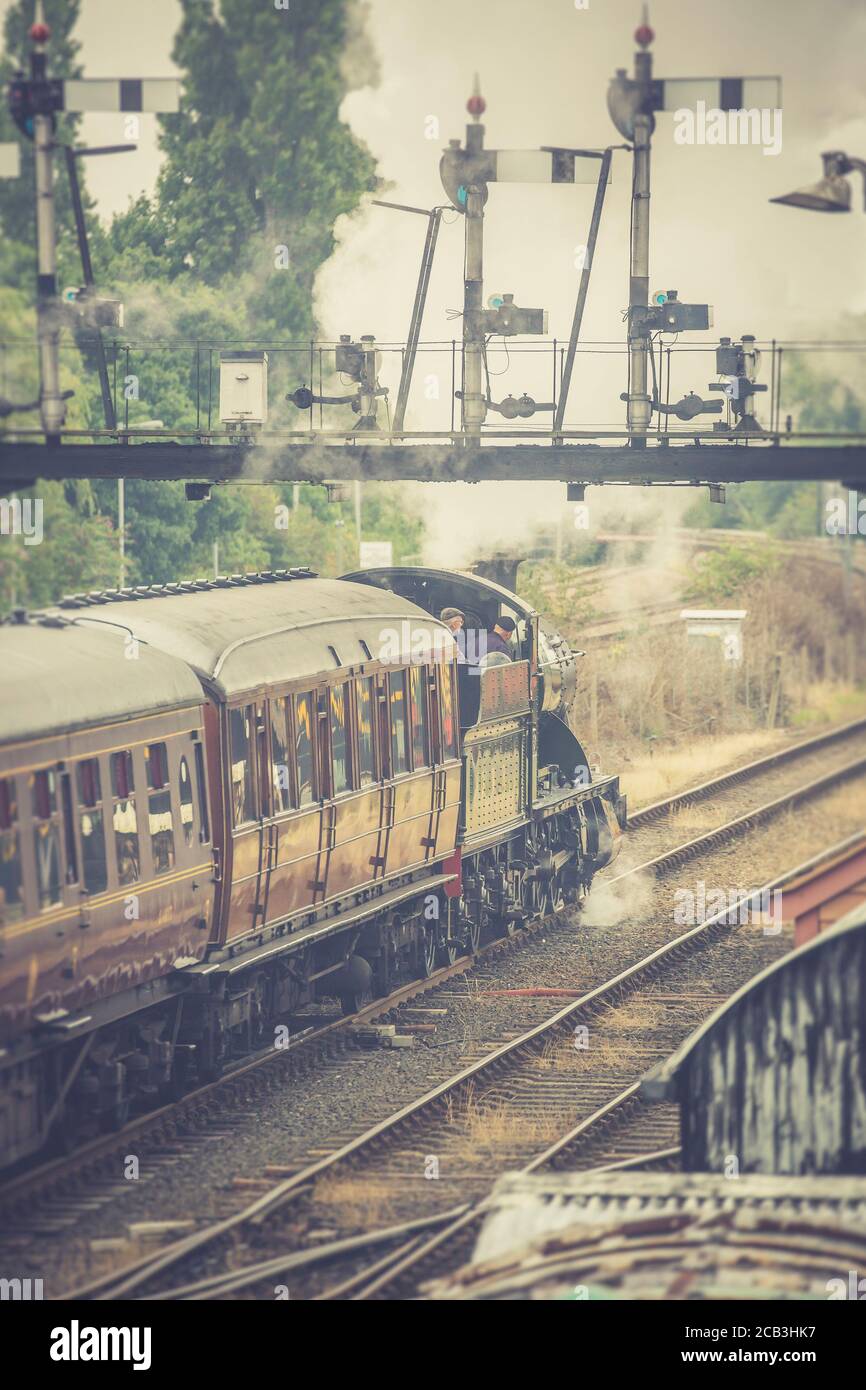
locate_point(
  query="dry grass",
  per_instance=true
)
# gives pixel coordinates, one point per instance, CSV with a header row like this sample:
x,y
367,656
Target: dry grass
x,y
484,1129
650,779
612,1038
848,803
602,1053
693,820
358,1200
665,711
829,702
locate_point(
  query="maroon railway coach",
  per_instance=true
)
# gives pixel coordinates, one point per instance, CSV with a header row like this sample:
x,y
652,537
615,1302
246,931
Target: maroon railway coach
x,y
220,800
105,868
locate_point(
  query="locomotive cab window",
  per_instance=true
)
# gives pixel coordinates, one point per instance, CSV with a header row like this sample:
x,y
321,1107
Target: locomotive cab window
x,y
242,745
159,813
94,863
305,747
399,723
11,899
124,820
46,838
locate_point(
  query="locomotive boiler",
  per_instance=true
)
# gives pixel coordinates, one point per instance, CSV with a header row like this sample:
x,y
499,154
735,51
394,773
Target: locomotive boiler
x,y
222,800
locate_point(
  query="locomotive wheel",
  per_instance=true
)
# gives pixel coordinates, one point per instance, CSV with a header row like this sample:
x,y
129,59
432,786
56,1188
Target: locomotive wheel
x,y
517,904
537,898
449,950
64,1135
355,984
473,940
553,896
427,954
116,1116
354,1002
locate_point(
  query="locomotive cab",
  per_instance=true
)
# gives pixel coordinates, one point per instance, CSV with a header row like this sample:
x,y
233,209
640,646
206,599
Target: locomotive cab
x,y
522,760
549,662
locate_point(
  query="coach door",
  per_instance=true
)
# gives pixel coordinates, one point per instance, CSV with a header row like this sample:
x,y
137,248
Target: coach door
x,y
292,829
387,800
267,828
249,852
439,788
421,697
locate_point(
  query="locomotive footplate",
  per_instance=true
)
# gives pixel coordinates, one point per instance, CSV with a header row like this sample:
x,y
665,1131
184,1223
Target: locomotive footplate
x,y
606,789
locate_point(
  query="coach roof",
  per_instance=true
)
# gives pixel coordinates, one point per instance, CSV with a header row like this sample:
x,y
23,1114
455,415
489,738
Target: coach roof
x,y
243,636
56,679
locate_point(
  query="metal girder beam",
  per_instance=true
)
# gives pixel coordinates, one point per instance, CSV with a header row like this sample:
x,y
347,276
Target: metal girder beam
x,y
22,463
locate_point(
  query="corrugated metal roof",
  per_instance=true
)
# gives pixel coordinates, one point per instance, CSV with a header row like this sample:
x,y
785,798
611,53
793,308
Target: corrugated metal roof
x,y
664,1235
60,678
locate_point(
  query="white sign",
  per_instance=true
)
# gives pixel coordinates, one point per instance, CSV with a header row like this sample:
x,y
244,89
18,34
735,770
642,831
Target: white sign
x,y
376,555
724,624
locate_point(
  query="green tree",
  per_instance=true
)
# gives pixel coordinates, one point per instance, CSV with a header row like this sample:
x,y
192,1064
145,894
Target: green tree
x,y
723,574
75,551
258,159
816,401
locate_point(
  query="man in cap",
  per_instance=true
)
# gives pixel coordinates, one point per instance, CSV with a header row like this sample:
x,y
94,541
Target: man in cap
x,y
499,639
453,619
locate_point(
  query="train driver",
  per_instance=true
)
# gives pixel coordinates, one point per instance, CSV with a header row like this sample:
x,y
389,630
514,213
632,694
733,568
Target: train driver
x,y
500,638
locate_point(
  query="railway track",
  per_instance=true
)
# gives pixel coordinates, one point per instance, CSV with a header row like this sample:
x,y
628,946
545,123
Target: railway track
x,y
76,1174
692,796
526,1071
302,1052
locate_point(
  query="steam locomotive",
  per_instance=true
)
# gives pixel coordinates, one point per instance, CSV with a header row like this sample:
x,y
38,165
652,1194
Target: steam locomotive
x,y
222,800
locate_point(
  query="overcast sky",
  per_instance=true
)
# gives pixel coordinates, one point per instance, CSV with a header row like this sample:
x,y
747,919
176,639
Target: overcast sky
x,y
545,67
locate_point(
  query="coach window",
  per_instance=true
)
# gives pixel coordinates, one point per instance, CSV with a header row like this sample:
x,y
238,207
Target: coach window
x,y
201,783
340,751
124,820
159,816
449,722
187,814
280,770
90,824
46,838
11,904
366,698
399,730
241,735
305,712
420,717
